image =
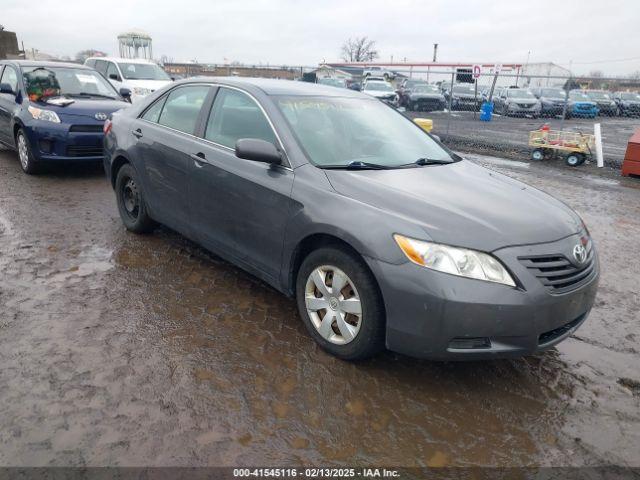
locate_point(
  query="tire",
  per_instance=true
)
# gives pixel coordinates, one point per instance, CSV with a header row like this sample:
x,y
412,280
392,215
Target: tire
x,y
574,159
410,106
131,203
537,155
363,336
27,160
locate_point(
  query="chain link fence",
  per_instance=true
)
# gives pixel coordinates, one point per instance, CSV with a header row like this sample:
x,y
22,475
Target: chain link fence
x,y
453,99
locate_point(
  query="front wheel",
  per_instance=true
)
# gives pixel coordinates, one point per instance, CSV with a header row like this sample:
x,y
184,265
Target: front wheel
x,y
537,155
340,304
27,162
131,202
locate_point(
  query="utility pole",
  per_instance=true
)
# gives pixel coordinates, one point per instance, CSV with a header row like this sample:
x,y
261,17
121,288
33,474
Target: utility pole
x,y
435,52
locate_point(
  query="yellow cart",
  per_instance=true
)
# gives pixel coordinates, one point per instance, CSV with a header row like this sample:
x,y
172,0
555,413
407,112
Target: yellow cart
x,y
575,146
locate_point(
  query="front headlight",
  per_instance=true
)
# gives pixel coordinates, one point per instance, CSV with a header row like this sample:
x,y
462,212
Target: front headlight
x,y
454,260
141,91
44,115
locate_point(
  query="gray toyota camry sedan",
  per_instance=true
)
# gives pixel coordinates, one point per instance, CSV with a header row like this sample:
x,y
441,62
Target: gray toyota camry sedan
x,y
384,236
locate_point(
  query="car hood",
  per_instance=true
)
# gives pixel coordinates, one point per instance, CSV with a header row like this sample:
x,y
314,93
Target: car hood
x,y
378,94
466,95
583,102
416,96
462,204
87,108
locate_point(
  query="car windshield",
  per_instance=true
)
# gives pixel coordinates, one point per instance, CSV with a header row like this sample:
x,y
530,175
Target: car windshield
x,y
42,83
599,96
552,93
414,83
630,96
463,89
426,89
142,71
517,93
334,82
337,132
580,96
378,86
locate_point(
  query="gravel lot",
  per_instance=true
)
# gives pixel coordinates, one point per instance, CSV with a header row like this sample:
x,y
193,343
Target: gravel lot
x,y
510,135
128,350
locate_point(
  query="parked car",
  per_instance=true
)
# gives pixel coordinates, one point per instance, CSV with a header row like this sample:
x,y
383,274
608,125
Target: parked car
x,y
463,97
604,101
581,105
140,76
354,210
354,85
381,72
426,98
333,82
381,90
52,111
628,103
518,102
552,100
404,89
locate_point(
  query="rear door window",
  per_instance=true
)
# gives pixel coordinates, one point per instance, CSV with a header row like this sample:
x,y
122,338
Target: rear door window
x,y
236,115
182,108
101,66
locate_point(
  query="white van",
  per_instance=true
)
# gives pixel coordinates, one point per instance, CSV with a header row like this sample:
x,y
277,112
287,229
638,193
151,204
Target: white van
x,y
140,76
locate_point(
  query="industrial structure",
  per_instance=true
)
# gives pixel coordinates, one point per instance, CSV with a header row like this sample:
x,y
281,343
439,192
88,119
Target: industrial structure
x,y
135,44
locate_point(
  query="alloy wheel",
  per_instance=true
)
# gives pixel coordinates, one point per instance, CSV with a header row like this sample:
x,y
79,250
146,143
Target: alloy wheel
x,y
23,151
333,304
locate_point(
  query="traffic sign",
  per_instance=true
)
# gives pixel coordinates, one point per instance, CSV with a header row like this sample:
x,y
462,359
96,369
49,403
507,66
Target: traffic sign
x,y
476,71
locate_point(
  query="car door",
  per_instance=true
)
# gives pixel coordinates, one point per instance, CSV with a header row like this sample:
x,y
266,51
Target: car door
x,y
240,207
164,137
8,104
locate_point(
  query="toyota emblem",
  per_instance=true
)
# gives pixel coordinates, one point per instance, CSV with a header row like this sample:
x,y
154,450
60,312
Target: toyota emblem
x,y
580,253
100,116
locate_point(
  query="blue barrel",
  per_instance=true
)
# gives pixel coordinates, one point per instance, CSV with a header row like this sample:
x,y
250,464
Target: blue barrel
x,y
486,110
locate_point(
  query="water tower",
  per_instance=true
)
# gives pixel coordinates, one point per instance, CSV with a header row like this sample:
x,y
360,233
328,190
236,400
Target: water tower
x,y
135,44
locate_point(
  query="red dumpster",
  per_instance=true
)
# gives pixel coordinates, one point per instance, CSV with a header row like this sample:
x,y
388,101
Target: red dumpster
x,y
631,164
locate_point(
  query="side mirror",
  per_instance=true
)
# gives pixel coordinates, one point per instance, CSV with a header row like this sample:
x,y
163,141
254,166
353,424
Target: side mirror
x,y
6,88
114,76
258,151
125,93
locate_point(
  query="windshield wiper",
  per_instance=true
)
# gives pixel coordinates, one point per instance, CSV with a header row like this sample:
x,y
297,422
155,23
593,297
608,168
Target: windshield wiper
x,y
357,165
85,94
421,162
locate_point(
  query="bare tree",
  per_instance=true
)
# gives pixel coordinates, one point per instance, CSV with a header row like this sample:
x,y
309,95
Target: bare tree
x,y
359,49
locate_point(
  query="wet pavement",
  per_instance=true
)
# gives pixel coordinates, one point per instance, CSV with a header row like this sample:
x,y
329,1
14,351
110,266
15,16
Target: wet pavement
x,y
118,349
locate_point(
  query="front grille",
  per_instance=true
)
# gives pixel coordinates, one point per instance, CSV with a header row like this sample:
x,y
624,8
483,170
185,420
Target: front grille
x,y
551,335
84,151
86,128
525,105
557,273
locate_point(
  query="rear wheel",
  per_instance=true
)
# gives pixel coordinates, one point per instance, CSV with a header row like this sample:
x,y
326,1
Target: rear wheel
x,y
131,202
575,159
340,304
27,162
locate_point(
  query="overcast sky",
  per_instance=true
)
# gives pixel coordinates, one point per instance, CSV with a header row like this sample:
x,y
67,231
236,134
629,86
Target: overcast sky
x,y
594,34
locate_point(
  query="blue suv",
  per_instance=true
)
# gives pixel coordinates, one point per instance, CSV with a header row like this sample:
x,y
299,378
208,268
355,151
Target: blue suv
x,y
53,111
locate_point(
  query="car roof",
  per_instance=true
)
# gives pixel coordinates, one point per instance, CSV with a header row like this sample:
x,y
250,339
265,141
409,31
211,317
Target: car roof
x,y
271,86
42,63
128,60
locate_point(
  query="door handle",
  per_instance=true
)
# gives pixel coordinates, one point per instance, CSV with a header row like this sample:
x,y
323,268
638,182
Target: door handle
x,y
137,133
199,159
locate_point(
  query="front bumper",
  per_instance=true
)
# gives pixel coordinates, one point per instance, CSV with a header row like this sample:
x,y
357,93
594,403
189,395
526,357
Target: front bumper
x,y
430,314
65,142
